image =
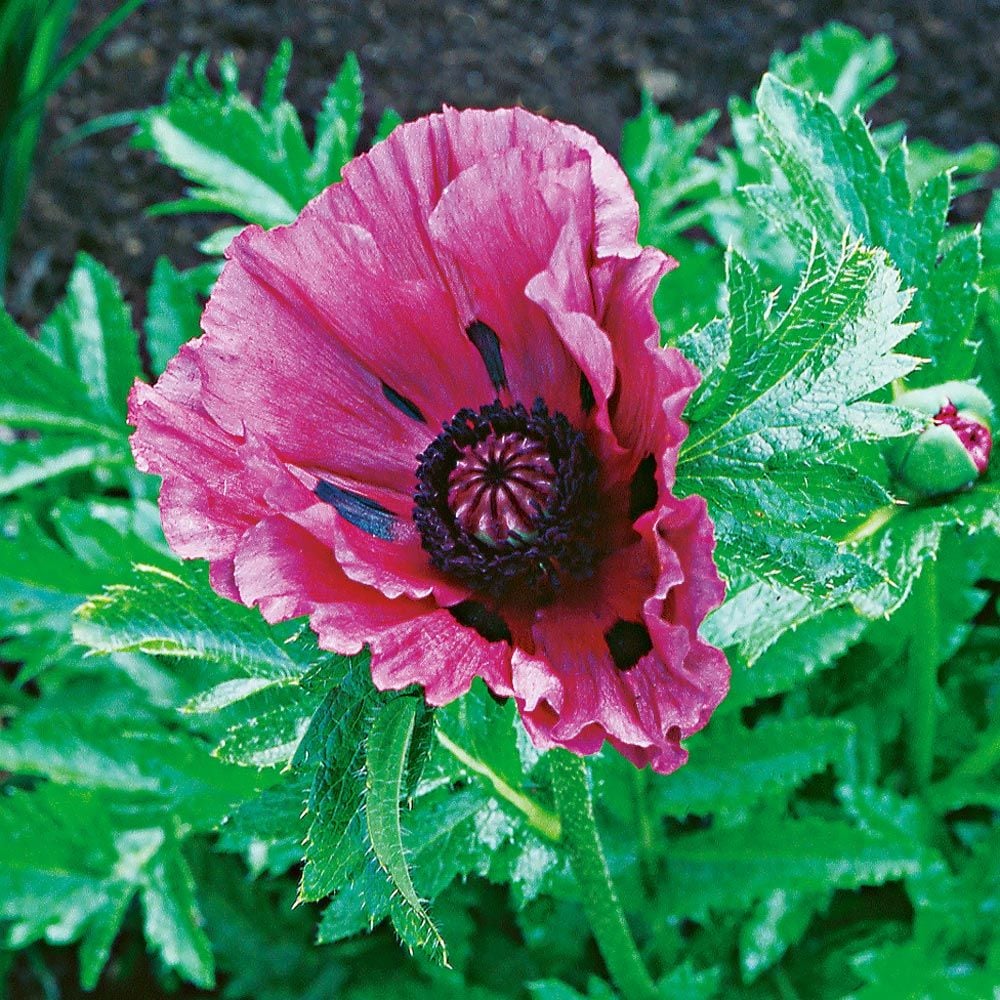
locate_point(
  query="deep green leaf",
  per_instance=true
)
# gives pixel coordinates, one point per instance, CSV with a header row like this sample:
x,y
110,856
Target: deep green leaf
x,y
732,767
732,867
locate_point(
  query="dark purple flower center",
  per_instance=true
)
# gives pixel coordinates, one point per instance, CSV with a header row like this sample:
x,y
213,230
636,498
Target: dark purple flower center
x,y
506,502
975,437
500,486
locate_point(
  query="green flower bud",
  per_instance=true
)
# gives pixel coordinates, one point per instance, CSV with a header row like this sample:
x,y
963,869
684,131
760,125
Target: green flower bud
x,y
954,451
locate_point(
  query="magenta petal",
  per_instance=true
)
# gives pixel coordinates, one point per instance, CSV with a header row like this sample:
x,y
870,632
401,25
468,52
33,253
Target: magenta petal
x,y
563,291
497,227
216,484
475,135
654,383
283,569
397,567
270,364
335,348
440,655
571,693
400,181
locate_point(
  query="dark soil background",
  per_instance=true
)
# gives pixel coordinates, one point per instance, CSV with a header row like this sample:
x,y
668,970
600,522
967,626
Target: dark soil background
x,y
583,61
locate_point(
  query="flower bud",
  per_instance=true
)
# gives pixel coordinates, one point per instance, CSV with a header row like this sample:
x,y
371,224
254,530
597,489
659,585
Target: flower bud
x,y
954,451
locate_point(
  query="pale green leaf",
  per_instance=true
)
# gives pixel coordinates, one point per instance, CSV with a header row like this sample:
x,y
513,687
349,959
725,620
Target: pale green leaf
x,y
174,313
338,124
166,615
781,407
37,391
388,753
90,332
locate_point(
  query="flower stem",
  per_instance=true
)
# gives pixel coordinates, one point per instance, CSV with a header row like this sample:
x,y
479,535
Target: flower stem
x,y
877,520
600,901
925,652
538,817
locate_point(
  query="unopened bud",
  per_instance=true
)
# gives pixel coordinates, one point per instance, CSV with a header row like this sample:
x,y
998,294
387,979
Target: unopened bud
x,y
954,451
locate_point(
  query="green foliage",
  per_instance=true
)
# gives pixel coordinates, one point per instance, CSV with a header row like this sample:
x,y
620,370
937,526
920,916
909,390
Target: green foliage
x,y
782,401
247,160
182,778
31,35
174,308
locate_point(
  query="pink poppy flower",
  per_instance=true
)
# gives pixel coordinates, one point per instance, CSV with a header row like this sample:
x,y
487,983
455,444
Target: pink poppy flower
x,y
432,415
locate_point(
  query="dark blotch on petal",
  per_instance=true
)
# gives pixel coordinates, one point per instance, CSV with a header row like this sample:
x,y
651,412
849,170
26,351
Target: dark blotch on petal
x,y
488,345
403,404
587,399
477,616
642,490
628,643
358,510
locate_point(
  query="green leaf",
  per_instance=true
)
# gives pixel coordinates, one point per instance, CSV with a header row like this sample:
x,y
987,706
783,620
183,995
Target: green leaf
x,y
387,123
255,918
773,759
441,845
40,582
102,929
738,866
244,160
57,849
909,970
68,872
269,830
841,65
166,615
333,748
913,535
838,182
37,391
659,157
798,654
338,125
927,161
174,312
112,752
755,615
90,332
268,728
774,421
778,921
28,463
173,921
388,755
250,161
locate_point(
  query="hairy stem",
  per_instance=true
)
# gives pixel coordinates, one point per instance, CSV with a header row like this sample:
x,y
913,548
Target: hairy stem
x,y
539,818
984,758
645,829
877,520
600,901
925,654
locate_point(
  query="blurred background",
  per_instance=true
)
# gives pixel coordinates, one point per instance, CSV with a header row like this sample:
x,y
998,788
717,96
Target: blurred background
x,y
583,61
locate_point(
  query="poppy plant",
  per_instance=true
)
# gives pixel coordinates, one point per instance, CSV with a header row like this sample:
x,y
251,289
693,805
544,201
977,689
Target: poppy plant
x,y
433,415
